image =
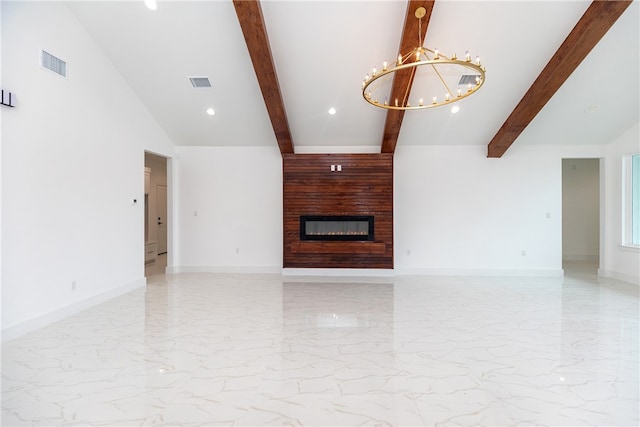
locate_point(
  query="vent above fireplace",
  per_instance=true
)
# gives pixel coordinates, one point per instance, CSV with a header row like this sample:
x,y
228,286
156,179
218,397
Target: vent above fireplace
x,y
348,228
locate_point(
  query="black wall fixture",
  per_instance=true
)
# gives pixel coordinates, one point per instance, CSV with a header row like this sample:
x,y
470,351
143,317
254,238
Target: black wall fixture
x,y
8,99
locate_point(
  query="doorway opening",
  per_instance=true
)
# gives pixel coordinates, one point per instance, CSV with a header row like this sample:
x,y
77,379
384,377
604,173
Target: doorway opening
x,y
155,214
581,215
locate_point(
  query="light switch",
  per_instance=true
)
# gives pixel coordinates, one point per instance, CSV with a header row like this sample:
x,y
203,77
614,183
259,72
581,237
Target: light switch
x,y
339,168
333,168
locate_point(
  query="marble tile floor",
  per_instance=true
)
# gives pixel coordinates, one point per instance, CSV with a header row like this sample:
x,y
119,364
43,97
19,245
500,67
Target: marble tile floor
x,y
233,349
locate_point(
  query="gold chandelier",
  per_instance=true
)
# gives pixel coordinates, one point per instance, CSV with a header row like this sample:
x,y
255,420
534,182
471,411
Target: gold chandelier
x,y
434,77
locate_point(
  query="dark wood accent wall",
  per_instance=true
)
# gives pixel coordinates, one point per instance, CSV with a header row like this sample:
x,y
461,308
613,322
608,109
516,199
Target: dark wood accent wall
x,y
363,187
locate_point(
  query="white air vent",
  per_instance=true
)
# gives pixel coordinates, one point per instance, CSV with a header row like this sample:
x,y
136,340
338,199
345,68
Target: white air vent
x,y
200,82
468,78
53,63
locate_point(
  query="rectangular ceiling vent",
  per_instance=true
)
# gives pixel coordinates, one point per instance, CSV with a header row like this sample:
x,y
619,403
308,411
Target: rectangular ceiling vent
x,y
200,82
53,63
465,79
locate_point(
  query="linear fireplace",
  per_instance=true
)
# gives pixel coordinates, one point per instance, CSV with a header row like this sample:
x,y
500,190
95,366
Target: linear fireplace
x,y
347,228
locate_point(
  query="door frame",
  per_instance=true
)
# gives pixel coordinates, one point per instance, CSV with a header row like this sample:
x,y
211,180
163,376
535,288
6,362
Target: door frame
x,y
170,184
600,208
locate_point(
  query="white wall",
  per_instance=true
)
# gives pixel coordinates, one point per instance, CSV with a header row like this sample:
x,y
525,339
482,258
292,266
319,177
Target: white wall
x,y
458,212
229,215
580,209
616,260
72,163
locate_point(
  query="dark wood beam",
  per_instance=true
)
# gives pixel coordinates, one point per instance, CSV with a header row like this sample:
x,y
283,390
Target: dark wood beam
x,y
595,22
255,35
403,79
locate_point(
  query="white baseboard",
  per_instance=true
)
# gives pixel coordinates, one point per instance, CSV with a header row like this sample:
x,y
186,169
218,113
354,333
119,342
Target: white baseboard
x,y
22,328
366,272
479,272
222,269
635,280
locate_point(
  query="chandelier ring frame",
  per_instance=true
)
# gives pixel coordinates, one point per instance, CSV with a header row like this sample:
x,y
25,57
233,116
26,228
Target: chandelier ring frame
x,y
434,63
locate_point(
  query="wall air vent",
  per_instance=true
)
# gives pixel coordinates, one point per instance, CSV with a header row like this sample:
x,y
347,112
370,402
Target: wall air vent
x,y
200,82
53,63
465,79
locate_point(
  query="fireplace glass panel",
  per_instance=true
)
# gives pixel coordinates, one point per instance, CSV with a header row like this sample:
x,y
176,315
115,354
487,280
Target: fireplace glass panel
x,y
336,228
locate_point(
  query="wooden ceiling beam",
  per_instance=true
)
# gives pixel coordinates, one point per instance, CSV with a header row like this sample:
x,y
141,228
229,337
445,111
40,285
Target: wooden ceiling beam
x,y
403,79
593,25
255,35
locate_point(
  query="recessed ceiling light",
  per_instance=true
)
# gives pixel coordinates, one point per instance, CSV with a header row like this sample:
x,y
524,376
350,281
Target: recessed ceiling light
x,y
455,109
332,111
151,4
211,111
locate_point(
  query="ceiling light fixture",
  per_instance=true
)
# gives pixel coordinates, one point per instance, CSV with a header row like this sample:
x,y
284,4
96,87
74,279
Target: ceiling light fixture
x,y
151,4
211,111
433,75
332,111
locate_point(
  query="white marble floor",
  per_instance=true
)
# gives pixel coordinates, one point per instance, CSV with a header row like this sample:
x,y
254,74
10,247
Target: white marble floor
x,y
206,349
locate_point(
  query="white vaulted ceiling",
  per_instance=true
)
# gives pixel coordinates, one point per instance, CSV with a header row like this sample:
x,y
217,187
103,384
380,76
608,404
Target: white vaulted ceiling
x,y
323,49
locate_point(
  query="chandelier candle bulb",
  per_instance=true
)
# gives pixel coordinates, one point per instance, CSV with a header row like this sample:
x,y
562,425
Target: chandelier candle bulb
x,y
435,100
446,97
469,87
399,59
467,56
384,66
454,57
374,71
459,92
477,60
420,103
436,54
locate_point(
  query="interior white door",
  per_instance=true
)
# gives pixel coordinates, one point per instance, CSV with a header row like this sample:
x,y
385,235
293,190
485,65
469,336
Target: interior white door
x,y
161,204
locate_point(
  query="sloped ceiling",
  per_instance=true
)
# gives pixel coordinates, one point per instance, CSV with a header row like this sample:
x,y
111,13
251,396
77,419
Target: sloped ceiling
x,y
322,49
